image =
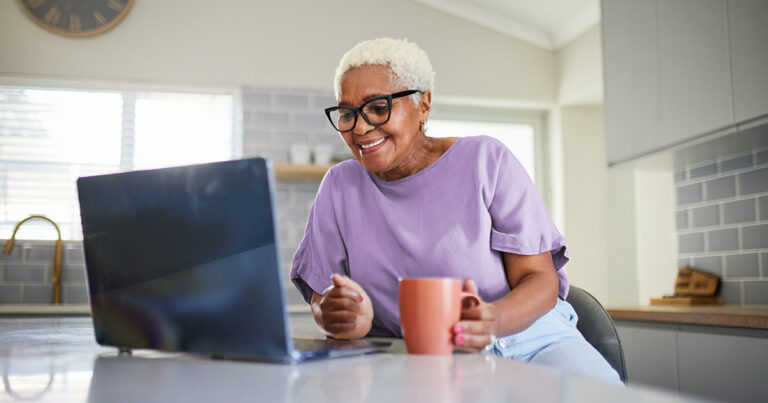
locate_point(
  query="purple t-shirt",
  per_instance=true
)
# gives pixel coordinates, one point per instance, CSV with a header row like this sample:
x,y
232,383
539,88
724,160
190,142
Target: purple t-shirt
x,y
451,219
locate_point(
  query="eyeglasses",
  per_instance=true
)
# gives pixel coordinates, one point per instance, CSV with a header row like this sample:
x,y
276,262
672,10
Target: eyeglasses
x,y
376,111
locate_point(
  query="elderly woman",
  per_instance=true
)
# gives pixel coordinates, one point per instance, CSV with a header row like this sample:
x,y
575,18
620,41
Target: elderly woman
x,y
416,206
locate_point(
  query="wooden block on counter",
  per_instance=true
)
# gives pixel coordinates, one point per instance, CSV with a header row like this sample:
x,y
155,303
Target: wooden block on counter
x,y
687,301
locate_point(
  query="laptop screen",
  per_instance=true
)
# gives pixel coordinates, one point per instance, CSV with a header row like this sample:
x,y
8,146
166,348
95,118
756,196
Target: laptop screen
x,y
185,259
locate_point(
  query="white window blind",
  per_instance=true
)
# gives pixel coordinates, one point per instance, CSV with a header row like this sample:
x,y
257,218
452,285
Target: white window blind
x,y
50,137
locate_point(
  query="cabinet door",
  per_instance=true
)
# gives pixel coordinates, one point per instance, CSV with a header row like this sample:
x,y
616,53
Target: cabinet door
x,y
694,69
748,31
723,366
650,351
631,78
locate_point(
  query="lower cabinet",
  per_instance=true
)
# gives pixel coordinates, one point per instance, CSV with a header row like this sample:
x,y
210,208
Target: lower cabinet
x,y
715,362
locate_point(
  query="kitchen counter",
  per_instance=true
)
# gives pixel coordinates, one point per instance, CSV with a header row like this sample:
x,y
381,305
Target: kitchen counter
x,y
57,359
26,310
725,316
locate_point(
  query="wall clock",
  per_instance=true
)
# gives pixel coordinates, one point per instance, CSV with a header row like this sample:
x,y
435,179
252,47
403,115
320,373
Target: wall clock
x,y
77,17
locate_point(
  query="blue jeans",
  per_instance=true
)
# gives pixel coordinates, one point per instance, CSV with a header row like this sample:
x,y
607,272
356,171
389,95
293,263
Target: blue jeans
x,y
553,340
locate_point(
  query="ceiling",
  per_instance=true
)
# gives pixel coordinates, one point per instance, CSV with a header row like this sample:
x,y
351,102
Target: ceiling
x,y
548,24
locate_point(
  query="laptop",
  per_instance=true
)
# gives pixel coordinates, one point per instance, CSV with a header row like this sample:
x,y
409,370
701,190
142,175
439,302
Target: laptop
x,y
186,259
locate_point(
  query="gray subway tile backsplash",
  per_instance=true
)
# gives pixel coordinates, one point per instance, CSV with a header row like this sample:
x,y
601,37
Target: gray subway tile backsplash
x,y
764,264
736,244
286,138
754,237
74,294
40,254
10,293
291,101
73,274
705,216
730,291
22,272
753,182
37,294
756,292
739,211
742,265
723,240
720,188
762,157
737,163
256,99
709,264
310,120
690,243
15,256
706,170
73,255
689,194
320,102
272,120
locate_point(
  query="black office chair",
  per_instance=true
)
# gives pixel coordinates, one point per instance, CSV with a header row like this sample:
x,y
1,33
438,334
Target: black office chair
x,y
597,327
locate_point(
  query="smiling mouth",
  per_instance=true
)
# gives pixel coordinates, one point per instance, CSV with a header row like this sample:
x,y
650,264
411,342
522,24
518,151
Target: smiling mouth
x,y
374,144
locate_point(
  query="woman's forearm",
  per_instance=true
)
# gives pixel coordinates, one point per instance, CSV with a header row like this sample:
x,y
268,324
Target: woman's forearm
x,y
534,295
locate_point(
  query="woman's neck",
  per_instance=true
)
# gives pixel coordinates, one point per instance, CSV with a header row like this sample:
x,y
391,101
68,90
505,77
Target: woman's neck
x,y
426,151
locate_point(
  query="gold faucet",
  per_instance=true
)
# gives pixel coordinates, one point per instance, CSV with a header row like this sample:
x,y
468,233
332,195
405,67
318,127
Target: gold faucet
x,y
56,280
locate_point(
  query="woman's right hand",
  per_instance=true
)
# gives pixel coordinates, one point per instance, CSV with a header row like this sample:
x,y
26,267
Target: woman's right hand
x,y
344,310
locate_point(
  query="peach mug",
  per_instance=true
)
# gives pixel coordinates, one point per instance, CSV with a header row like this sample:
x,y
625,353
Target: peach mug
x,y
429,308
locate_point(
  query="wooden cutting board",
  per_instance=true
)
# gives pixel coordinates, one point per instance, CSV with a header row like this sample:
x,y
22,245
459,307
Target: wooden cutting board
x,y
687,301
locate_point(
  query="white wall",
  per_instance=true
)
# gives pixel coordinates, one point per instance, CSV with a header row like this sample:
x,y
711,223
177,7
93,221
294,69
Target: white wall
x,y
585,180
619,222
580,70
284,43
656,234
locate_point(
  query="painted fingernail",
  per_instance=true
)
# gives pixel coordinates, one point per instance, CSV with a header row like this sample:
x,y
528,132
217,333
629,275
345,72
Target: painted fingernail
x,y
458,329
460,340
361,298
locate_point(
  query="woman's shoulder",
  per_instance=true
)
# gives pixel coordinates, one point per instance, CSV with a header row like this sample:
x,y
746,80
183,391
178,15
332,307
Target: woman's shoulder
x,y
483,141
482,145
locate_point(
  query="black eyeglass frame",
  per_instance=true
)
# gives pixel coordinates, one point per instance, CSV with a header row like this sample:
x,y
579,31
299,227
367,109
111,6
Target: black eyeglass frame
x,y
359,110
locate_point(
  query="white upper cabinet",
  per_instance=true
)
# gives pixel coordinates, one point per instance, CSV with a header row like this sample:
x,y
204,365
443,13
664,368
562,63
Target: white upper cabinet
x,y
694,68
675,70
630,67
748,29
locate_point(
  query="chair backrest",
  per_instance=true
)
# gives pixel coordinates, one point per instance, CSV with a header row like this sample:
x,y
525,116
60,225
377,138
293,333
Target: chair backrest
x,y
597,327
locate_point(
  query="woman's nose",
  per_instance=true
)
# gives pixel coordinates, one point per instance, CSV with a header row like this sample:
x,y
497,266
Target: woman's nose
x,y
362,126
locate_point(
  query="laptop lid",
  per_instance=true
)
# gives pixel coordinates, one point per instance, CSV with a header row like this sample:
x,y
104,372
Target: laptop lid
x,y
186,259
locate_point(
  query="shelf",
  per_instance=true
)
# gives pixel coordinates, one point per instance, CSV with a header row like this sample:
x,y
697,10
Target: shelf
x,y
291,171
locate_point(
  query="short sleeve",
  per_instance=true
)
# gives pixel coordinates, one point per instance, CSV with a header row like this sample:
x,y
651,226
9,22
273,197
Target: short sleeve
x,y
321,252
520,220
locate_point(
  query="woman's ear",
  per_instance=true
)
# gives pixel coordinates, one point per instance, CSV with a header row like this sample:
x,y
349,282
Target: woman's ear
x,y
425,105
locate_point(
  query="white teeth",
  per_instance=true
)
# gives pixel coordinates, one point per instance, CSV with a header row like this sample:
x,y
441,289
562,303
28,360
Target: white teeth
x,y
373,144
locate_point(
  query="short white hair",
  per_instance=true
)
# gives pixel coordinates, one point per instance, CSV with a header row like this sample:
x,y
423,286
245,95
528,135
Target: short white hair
x,y
408,62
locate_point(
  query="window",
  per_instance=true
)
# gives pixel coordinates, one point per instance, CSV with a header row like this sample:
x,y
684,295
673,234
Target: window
x,y
50,137
518,137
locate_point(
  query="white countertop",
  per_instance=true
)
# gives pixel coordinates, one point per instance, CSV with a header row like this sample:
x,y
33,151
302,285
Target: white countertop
x,y
57,359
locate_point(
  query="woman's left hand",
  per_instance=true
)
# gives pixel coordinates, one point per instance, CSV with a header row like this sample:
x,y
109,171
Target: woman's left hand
x,y
478,325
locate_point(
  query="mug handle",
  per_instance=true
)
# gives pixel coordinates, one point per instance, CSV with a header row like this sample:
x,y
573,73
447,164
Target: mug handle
x,y
464,295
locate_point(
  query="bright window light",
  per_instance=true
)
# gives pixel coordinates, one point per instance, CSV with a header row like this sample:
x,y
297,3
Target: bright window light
x,y
519,138
50,137
178,129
